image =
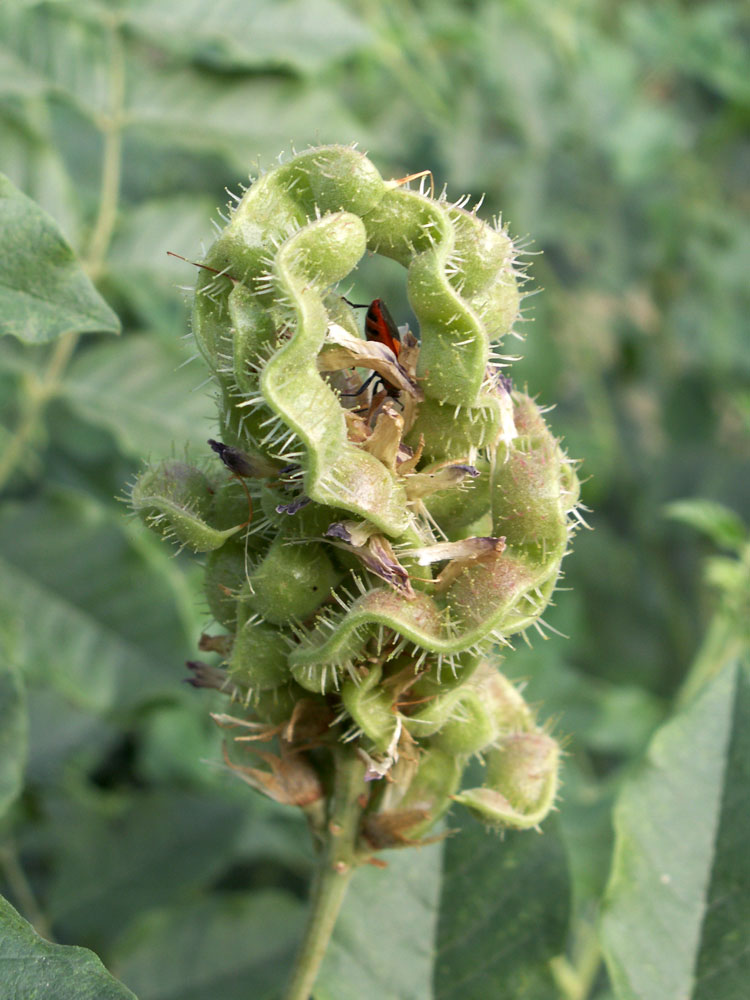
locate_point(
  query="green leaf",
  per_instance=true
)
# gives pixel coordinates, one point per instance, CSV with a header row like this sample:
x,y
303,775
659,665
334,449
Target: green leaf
x,y
13,732
276,833
62,737
503,914
586,830
44,293
34,165
382,946
71,49
93,609
301,34
474,917
17,78
180,224
719,523
66,46
677,912
156,849
140,390
225,947
177,739
30,967
198,110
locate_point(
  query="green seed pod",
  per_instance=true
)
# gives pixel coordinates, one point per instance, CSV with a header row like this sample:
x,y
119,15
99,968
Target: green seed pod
x,y
433,786
455,510
530,493
291,582
258,659
478,712
503,701
470,727
177,500
521,783
231,506
275,706
369,705
418,795
225,568
453,433
371,542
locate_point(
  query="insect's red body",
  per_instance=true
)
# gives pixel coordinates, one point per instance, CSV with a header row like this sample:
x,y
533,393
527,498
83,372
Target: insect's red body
x,y
381,326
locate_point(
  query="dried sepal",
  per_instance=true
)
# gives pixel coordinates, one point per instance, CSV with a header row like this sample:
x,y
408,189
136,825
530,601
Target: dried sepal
x,y
290,778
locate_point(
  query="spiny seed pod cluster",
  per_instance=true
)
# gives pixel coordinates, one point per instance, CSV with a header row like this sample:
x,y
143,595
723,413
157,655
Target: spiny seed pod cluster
x,y
369,549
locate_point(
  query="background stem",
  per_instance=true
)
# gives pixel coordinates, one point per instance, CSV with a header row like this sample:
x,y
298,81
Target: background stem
x,y
22,890
41,390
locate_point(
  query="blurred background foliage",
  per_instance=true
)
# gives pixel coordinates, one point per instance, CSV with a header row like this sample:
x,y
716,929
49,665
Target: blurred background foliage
x,y
612,135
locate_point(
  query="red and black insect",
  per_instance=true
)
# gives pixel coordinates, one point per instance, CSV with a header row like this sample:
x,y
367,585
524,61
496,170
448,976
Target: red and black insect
x,y
380,326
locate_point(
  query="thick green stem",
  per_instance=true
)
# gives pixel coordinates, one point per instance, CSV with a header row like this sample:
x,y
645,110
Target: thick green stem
x,y
335,869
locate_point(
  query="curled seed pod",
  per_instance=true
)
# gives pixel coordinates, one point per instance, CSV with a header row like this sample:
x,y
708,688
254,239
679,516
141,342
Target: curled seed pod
x,y
396,510
177,500
521,782
485,708
418,795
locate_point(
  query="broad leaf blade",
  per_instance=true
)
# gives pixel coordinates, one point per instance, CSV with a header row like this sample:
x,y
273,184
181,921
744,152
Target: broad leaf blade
x,y
503,914
32,163
302,34
678,901
44,293
69,52
226,947
486,926
723,526
382,947
62,736
17,78
723,966
156,850
143,393
196,110
95,617
33,969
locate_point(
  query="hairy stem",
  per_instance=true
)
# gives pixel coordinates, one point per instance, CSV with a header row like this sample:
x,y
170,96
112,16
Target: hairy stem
x,y
335,868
